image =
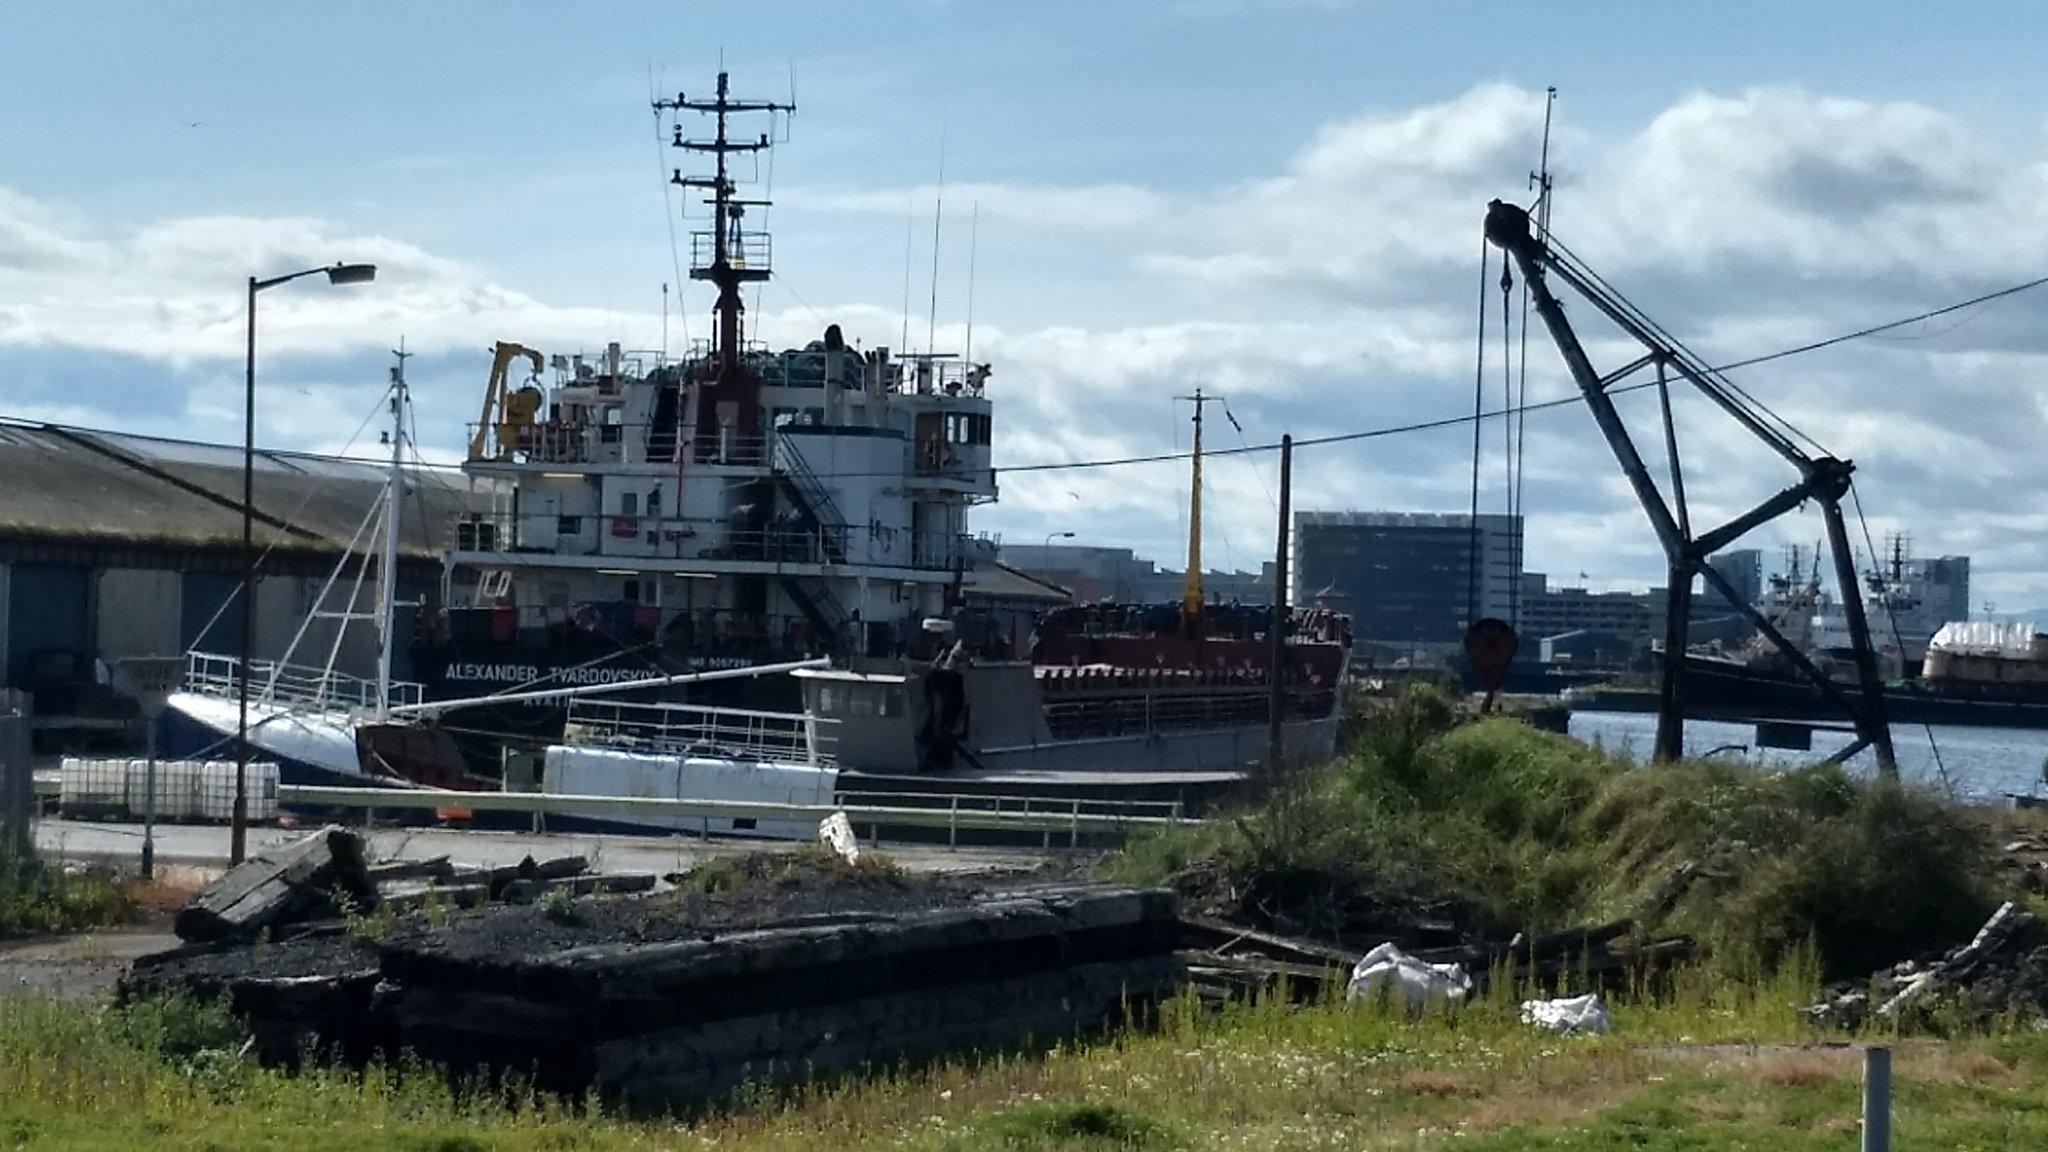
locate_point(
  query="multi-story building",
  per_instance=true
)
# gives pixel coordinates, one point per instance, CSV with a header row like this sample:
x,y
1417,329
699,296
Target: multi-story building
x,y
1743,568
1547,611
1121,576
1409,577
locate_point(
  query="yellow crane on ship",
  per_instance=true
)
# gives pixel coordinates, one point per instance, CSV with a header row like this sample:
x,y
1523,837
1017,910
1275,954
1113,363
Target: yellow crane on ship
x,y
506,410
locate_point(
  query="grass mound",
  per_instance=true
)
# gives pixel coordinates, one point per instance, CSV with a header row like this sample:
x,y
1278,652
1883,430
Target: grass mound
x,y
1499,828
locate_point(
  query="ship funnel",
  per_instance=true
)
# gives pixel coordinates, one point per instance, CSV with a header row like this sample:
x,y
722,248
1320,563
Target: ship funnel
x,y
835,362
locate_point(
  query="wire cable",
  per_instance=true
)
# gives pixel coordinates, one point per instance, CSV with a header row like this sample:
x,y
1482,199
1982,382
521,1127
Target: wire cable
x,y
1891,613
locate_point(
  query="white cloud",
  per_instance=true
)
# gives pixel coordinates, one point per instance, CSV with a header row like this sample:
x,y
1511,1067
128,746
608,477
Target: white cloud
x,y
1333,294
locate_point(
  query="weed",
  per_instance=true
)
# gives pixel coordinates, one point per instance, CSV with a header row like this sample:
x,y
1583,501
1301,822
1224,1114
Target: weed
x,y
559,905
36,896
372,927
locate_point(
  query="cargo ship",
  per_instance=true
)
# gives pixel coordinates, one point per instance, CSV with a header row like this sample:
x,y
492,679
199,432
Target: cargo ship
x,y
660,529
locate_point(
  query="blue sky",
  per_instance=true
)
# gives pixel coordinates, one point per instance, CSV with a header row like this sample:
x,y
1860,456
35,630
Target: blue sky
x,y
1280,200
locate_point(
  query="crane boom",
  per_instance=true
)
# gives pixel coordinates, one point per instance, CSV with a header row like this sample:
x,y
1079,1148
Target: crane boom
x,y
1823,479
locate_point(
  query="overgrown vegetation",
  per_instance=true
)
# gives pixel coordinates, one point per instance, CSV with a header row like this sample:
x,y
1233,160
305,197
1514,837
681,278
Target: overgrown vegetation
x,y
769,869
1263,1076
36,896
1505,828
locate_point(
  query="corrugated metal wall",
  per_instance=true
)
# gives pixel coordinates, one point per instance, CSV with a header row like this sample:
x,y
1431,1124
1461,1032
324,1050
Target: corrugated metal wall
x,y
138,613
201,594
48,606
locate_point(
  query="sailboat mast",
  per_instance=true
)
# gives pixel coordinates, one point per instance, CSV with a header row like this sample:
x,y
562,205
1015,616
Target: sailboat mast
x,y
387,565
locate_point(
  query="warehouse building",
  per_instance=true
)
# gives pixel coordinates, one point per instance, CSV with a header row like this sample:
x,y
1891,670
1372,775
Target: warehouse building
x,y
115,545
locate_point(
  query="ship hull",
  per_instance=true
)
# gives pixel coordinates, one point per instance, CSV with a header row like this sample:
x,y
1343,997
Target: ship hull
x,y
1715,690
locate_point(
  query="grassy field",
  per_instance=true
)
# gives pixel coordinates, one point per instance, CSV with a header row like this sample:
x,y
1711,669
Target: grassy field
x,y
1712,1064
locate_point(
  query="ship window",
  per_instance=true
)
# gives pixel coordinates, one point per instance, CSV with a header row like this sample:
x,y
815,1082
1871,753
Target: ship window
x,y
568,525
654,502
631,591
629,503
814,416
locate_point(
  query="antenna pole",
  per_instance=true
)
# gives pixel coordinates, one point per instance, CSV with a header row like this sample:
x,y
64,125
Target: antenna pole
x,y
931,320
973,246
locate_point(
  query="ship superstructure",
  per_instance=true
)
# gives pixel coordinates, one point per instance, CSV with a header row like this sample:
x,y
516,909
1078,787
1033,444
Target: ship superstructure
x,y
733,506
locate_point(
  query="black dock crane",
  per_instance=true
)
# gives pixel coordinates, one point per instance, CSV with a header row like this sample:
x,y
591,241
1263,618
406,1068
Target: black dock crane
x,y
1821,478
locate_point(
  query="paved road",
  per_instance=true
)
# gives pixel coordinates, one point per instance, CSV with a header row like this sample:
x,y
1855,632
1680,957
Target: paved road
x,y
206,847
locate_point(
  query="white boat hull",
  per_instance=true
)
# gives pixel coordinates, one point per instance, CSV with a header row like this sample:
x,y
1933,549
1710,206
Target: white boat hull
x,y
305,743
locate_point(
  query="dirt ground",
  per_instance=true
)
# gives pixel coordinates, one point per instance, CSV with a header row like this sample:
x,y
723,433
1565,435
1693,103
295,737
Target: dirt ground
x,y
83,967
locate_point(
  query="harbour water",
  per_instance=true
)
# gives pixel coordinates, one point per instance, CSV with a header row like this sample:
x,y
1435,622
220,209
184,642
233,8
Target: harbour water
x,y
1982,765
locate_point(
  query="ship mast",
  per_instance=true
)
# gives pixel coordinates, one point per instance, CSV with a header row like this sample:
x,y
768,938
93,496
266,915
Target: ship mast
x,y
387,565
727,256
1191,591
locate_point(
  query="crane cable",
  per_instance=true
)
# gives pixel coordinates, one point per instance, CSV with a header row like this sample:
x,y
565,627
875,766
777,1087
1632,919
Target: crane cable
x,y
1478,409
1898,638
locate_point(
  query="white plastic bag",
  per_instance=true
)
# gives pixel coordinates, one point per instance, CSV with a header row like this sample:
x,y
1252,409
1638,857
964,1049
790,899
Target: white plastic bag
x,y
836,832
1412,980
1571,1016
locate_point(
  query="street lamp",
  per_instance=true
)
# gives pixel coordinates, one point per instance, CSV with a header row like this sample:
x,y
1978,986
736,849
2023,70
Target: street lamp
x,y
1052,536
336,274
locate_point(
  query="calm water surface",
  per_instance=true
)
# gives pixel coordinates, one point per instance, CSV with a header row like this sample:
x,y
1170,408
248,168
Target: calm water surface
x,y
1983,764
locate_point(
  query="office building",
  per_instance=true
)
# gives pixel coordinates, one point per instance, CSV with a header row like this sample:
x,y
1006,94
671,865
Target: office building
x,y
1408,577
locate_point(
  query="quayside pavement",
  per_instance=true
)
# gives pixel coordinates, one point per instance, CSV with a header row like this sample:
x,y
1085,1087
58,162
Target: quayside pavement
x,y
204,846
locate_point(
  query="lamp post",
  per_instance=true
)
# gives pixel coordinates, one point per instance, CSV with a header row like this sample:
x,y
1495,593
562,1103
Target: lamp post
x,y
336,274
1052,536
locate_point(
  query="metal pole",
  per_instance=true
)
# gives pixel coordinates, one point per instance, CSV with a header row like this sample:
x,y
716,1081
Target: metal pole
x,y
1276,699
238,835
1877,1100
1670,743
149,807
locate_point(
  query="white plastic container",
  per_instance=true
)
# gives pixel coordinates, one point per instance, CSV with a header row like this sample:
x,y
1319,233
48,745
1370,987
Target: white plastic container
x,y
214,798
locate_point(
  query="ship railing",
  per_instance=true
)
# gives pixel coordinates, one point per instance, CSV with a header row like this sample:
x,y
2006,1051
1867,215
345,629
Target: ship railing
x,y
551,443
294,685
699,730
746,250
699,538
1162,712
919,374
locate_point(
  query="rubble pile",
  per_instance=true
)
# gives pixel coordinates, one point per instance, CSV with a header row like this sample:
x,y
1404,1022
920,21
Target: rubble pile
x,y
325,876
776,971
1227,960
2002,971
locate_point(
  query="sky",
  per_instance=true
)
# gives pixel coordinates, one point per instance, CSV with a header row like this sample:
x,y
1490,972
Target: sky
x,y
1277,200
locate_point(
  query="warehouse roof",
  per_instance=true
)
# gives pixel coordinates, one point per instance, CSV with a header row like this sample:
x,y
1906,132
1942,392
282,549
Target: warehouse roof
x,y
78,485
